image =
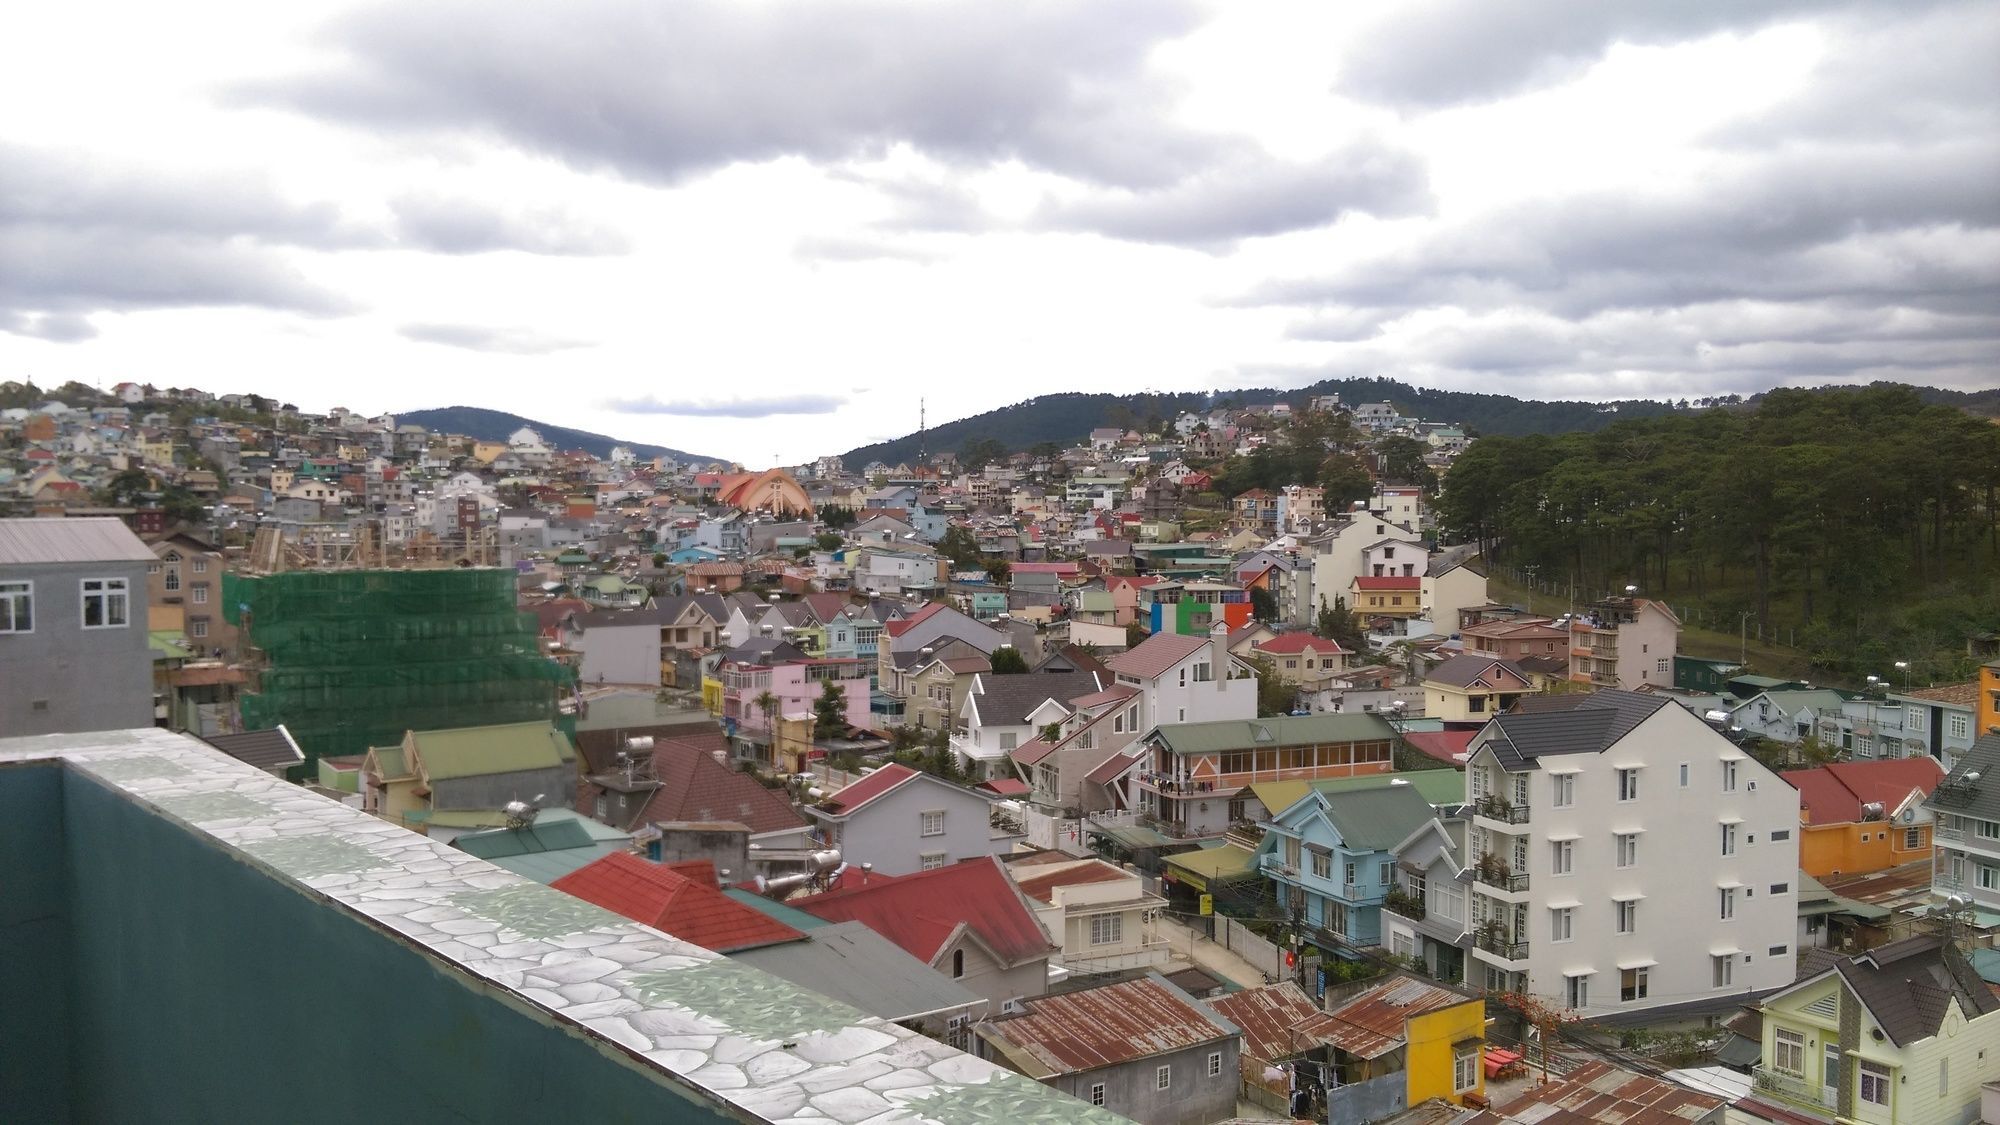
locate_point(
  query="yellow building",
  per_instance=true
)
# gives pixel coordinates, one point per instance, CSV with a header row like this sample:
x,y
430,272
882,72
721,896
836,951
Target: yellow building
x,y
1903,1034
1473,689
711,695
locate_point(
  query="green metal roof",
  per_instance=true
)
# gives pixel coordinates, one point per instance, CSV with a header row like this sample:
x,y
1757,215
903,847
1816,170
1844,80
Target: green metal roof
x,y
1136,836
390,760
167,644
477,751
553,830
1377,819
790,915
1439,787
1272,733
1216,865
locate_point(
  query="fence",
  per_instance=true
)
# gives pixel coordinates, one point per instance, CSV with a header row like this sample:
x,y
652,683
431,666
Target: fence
x,y
1245,943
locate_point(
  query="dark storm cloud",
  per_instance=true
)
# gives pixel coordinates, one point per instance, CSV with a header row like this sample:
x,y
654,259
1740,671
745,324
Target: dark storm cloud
x,y
1254,195
661,91
458,226
1861,224
1432,53
730,408
481,338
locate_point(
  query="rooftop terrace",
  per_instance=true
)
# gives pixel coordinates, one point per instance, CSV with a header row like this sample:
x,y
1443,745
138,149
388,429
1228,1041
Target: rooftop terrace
x,y
193,939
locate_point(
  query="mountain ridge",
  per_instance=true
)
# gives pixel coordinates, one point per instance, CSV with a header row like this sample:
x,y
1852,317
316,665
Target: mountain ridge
x,y
1068,417
483,424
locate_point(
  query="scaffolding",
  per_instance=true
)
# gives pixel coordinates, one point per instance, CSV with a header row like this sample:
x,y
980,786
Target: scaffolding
x,y
352,658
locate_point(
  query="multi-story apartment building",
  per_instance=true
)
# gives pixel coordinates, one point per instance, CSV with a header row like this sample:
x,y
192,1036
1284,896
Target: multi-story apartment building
x,y
1965,824
1625,855
73,646
1624,643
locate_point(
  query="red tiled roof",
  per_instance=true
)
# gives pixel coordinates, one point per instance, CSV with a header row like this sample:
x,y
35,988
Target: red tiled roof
x,y
1033,750
1112,694
1388,582
1290,644
673,903
694,786
1043,887
1156,654
1444,745
1002,786
1963,695
903,625
1044,568
1111,767
921,911
825,607
852,797
1834,794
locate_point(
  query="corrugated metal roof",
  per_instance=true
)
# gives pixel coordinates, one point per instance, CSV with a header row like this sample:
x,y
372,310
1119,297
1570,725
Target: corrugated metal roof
x,y
1278,1021
480,751
32,542
1374,1022
1278,731
1598,1091
1105,1026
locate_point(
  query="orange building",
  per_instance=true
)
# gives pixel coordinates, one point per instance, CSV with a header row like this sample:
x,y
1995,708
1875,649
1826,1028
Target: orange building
x,y
1987,718
772,490
1859,817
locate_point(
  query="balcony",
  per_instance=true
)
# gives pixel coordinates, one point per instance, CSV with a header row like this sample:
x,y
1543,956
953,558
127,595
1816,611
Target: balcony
x,y
1497,943
1361,892
1499,808
1941,833
1792,1088
1400,901
1501,877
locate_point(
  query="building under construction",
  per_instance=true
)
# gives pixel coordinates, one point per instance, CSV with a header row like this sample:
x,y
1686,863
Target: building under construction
x,y
350,655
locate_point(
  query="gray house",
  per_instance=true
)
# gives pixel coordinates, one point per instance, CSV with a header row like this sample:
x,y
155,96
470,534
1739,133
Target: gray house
x,y
73,651
1142,1048
898,820
618,646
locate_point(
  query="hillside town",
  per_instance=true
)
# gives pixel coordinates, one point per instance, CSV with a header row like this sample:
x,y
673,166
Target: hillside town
x,y
1189,775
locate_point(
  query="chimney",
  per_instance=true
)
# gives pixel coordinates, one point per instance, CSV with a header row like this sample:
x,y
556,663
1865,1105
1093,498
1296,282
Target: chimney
x,y
1218,653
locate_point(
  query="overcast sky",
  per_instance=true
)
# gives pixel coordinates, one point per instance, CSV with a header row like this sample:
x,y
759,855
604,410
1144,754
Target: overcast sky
x,y
761,229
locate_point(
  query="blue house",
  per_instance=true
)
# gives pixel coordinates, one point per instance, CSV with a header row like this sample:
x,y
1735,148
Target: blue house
x,y
1331,853
692,554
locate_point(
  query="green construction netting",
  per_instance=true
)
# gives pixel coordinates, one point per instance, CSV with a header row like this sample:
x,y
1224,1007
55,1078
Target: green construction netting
x,y
354,658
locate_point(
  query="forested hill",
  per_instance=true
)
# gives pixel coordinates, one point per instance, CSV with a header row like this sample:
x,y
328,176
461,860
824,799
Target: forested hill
x,y
1863,519
1068,418
495,425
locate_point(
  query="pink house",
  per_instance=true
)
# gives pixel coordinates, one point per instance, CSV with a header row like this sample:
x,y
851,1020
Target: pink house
x,y
795,686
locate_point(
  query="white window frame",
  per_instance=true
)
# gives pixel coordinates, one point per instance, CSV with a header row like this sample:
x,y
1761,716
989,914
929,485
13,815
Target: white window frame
x,y
1562,857
1627,915
199,565
108,592
1722,970
198,630
1961,726
1725,904
1642,984
1215,1064
1562,924
1787,1042
199,595
1729,839
172,582
1913,838
1875,1078
930,823
1097,1093
1563,790
1163,1078
16,594
931,861
1628,785
1465,1067
1729,776
1576,991
1626,848
1107,929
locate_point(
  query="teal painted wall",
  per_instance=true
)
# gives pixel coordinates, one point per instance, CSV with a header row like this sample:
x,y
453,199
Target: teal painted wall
x,y
204,990
34,936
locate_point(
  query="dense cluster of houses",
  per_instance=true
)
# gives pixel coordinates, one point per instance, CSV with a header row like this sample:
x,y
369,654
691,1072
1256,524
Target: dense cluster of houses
x,y
986,754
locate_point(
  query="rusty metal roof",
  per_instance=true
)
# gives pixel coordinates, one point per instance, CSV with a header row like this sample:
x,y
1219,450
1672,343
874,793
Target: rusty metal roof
x,y
1598,1091
1372,1023
1098,1027
1278,1020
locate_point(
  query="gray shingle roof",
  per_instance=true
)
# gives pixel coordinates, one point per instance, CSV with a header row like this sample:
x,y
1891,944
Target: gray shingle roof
x,y
1461,671
1006,701
1592,726
1377,818
1907,985
1973,788
29,542
264,749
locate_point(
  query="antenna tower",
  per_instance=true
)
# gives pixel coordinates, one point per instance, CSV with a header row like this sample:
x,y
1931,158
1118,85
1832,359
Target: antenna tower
x,y
923,435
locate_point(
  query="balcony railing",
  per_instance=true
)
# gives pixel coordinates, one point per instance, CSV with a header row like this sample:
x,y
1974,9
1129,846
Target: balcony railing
x,y
1940,832
1499,945
1792,1088
1502,878
1400,901
1958,792
1501,809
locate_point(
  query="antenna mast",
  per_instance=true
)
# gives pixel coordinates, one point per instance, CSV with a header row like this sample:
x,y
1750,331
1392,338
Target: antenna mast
x,y
923,435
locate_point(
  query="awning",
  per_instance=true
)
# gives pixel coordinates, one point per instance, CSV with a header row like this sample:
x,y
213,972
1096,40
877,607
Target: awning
x,y
1134,836
1204,868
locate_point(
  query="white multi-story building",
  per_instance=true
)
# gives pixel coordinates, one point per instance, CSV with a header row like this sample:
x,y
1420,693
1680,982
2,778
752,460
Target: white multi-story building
x,y
1965,828
1624,855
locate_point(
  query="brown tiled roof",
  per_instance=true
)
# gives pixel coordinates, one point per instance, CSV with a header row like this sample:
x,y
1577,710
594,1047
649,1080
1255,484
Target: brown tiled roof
x,y
1155,655
1962,695
1043,887
694,786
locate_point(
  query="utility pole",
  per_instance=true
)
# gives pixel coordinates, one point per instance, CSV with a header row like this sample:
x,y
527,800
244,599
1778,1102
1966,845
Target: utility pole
x,y
1743,637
